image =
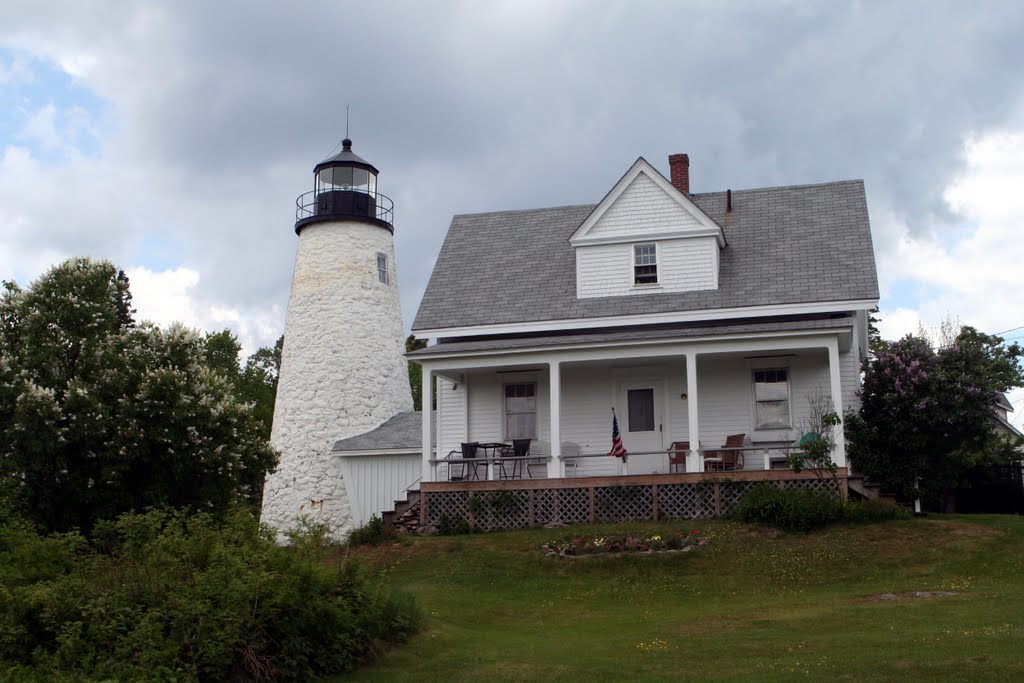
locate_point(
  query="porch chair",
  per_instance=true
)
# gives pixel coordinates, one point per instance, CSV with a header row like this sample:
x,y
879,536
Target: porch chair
x,y
677,456
467,470
732,459
520,448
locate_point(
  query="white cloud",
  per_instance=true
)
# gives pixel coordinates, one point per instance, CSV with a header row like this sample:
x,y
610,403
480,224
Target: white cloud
x,y
975,274
164,297
168,296
899,323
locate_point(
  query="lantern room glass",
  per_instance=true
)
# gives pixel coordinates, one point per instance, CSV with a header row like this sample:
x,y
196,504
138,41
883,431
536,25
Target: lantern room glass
x,y
346,178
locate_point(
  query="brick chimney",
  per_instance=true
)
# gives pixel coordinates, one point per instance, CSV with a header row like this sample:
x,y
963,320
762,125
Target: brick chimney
x,y
679,164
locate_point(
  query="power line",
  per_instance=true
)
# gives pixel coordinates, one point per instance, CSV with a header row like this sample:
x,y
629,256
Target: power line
x,y
1012,329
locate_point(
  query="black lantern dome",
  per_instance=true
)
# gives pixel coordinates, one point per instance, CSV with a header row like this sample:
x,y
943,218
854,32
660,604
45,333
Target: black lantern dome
x,y
345,189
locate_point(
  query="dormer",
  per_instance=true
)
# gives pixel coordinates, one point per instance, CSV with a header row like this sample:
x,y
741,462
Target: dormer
x,y
647,236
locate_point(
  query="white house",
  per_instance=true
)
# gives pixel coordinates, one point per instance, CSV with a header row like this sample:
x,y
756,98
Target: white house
x,y
696,317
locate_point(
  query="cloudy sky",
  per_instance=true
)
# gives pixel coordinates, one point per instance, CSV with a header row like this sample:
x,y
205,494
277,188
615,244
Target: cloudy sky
x,y
173,138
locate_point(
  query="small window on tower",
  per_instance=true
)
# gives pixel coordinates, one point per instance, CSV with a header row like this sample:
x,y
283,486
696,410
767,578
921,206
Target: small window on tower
x,y
382,268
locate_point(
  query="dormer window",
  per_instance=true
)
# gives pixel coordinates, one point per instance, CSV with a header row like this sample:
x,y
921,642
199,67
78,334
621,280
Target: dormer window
x,y
645,264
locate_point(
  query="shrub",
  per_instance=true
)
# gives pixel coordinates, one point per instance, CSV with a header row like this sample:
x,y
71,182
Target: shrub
x,y
789,509
371,533
803,510
868,511
452,525
166,595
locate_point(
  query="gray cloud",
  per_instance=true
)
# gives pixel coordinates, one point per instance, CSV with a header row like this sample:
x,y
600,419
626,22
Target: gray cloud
x,y
222,109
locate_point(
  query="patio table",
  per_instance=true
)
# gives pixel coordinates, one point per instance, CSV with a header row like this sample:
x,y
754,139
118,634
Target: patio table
x,y
492,451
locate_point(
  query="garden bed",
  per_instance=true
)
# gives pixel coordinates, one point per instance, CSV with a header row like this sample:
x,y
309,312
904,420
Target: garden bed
x,y
587,545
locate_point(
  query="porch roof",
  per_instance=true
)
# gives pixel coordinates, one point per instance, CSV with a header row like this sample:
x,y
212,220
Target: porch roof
x,y
646,334
786,245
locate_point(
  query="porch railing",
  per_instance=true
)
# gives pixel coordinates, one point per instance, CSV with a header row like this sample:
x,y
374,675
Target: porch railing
x,y
770,457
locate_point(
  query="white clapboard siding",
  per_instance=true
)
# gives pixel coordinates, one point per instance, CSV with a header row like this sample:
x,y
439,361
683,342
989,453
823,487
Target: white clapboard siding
x,y
724,398
587,419
684,265
642,205
487,404
452,401
678,407
374,482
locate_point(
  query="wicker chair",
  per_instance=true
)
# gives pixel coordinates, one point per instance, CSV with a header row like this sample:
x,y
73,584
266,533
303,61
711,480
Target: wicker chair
x,y
730,460
677,453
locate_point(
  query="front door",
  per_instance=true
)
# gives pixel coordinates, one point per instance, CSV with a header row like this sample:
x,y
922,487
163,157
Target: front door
x,y
640,422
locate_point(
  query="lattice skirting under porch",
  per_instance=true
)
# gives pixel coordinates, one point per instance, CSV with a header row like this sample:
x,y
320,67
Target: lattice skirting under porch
x,y
487,506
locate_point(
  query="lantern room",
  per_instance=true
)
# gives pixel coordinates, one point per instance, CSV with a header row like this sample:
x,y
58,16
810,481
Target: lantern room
x,y
345,188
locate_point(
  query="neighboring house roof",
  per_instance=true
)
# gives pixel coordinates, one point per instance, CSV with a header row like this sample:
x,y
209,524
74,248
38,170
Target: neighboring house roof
x,y
786,245
1003,402
647,333
1007,427
402,432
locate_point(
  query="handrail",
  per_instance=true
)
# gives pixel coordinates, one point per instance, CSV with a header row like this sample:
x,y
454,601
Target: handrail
x,y
489,458
305,205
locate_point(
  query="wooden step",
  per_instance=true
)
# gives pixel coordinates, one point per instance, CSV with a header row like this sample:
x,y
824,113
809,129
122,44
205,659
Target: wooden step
x,y
869,490
399,516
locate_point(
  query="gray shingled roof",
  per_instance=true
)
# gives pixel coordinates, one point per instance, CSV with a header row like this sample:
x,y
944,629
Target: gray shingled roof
x,y
786,245
635,334
404,430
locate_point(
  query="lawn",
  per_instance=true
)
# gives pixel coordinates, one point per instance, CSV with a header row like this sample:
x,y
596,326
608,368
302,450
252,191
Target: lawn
x,y
751,603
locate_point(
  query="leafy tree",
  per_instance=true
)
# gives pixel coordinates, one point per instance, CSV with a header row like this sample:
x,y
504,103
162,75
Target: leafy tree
x,y
926,414
99,416
415,371
221,351
257,383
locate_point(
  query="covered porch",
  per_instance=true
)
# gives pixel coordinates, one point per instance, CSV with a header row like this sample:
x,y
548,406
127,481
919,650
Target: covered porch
x,y
684,407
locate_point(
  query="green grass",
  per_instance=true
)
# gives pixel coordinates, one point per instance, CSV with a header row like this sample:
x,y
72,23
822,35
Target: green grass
x,y
751,604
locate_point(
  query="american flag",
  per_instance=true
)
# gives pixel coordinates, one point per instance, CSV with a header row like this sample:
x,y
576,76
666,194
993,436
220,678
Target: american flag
x,y
618,450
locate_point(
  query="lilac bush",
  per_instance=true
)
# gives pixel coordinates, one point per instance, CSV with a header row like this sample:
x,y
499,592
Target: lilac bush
x,y
926,414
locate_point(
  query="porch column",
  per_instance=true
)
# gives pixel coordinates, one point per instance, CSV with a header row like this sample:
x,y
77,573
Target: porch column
x,y
555,468
429,468
837,400
693,461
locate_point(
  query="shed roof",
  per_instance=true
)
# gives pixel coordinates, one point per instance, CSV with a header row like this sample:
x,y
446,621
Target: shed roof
x,y
400,432
785,245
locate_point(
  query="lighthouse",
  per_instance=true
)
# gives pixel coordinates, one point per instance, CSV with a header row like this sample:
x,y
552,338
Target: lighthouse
x,y
343,370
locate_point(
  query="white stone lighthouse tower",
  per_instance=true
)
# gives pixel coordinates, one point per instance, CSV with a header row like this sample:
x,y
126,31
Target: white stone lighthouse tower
x,y
343,371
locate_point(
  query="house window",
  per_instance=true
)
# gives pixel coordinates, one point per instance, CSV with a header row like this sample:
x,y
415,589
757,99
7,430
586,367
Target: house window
x,y
641,410
382,268
521,411
771,399
645,264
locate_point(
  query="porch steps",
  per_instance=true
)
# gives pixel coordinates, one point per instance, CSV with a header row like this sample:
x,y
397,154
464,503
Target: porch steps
x,y
868,490
406,513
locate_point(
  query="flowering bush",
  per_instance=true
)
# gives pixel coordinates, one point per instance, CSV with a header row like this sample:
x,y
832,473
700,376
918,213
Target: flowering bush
x,y
926,414
595,545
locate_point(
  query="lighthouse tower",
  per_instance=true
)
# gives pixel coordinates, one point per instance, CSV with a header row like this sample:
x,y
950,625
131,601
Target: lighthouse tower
x,y
343,371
